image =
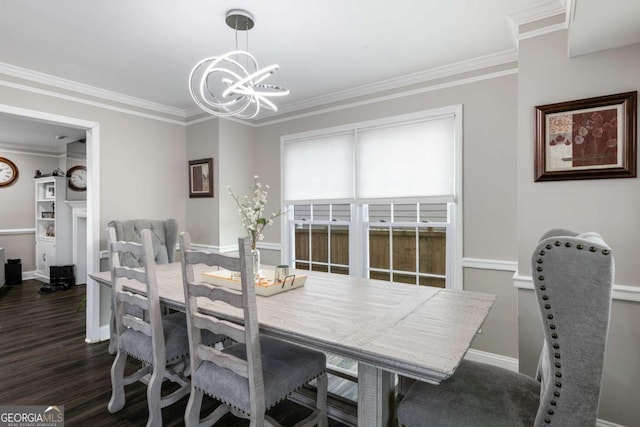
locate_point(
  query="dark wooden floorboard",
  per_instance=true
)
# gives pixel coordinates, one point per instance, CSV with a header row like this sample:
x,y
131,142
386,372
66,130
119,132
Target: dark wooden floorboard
x,y
45,361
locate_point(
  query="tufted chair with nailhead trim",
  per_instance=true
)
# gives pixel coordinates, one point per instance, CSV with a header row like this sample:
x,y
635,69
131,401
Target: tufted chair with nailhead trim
x,y
164,236
573,280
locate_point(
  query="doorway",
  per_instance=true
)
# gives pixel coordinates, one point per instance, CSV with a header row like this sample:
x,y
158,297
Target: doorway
x,y
92,238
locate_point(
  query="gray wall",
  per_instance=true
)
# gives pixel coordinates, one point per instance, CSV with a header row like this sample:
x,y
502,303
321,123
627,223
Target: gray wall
x,y
608,206
203,213
236,170
142,160
489,183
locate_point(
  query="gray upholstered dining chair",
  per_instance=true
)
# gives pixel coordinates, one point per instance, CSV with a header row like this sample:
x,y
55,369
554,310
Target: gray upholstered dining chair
x,y
255,372
160,342
164,236
573,279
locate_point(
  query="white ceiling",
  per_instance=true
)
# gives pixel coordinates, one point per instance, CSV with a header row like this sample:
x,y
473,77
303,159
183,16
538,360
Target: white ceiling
x,y
146,48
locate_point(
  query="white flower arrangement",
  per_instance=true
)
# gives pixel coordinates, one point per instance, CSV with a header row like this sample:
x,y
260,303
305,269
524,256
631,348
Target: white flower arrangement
x,y
251,211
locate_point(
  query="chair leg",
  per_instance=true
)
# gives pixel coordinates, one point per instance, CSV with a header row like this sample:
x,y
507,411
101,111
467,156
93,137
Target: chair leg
x,y
192,413
113,337
321,399
154,394
117,383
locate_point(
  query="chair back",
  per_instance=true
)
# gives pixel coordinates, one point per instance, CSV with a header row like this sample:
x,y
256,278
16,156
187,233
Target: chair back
x,y
573,279
198,293
148,317
164,236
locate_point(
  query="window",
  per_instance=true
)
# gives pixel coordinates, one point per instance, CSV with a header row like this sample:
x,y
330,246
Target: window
x,y
379,199
407,243
322,237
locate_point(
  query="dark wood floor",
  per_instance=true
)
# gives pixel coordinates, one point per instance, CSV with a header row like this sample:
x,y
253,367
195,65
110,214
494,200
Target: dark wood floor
x,y
45,361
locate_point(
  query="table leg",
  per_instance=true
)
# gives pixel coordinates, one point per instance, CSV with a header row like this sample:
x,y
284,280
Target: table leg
x,y
376,396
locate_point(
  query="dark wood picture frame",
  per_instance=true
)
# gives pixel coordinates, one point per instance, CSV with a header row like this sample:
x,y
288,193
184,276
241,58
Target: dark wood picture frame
x,y
201,178
589,138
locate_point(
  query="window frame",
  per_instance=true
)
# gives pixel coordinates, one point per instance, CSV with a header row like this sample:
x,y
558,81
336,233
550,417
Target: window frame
x,y
358,235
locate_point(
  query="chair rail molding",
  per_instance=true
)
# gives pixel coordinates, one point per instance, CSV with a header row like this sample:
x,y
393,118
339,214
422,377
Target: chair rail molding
x,y
620,292
16,231
489,264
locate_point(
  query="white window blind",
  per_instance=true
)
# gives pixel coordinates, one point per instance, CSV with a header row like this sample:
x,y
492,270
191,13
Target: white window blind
x,y
319,169
406,160
403,158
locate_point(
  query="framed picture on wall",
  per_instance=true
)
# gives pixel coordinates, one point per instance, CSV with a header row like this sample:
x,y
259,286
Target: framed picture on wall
x,y
587,139
201,178
50,191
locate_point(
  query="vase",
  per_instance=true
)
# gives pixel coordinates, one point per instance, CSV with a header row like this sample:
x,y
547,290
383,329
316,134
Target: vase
x,y
257,271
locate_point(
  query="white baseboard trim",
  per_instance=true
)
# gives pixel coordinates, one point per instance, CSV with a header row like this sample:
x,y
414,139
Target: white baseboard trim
x,y
105,333
603,423
28,275
620,292
509,363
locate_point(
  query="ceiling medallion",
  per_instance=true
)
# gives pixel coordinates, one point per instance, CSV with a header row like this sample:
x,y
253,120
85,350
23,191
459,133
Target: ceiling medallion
x,y
232,84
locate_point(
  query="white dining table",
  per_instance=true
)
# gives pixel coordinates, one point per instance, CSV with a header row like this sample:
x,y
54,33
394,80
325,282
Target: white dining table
x,y
389,328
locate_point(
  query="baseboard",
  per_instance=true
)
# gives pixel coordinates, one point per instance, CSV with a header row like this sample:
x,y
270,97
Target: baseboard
x,y
512,364
603,423
509,363
104,333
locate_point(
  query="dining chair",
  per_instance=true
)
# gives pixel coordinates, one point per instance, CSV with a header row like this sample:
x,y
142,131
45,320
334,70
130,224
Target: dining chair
x,y
573,280
164,236
256,372
159,342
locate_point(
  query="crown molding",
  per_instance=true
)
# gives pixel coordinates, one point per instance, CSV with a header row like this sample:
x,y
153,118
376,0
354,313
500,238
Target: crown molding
x,y
80,100
49,80
465,66
35,150
537,12
425,89
421,77
542,31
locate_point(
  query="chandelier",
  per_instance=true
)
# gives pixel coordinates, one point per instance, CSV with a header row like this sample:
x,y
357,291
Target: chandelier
x,y
232,84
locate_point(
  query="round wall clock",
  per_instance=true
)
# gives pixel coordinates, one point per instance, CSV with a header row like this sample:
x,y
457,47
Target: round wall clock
x,y
8,172
77,178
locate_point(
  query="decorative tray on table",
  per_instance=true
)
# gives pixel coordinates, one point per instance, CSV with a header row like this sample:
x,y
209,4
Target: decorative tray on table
x,y
264,287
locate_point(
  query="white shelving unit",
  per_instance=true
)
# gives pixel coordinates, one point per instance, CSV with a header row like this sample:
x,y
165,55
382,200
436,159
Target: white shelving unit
x,y
53,225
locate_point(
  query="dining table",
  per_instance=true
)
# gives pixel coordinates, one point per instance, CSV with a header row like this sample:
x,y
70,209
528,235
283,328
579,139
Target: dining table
x,y
388,328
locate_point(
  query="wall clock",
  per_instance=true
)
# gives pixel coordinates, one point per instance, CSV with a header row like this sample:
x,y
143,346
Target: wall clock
x,y
8,172
77,178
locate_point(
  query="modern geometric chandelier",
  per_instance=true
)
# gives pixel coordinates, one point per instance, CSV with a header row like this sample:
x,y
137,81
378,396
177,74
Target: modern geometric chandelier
x,y
232,84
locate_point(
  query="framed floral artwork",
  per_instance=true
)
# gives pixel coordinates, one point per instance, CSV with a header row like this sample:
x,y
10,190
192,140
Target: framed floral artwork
x,y
201,178
587,139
